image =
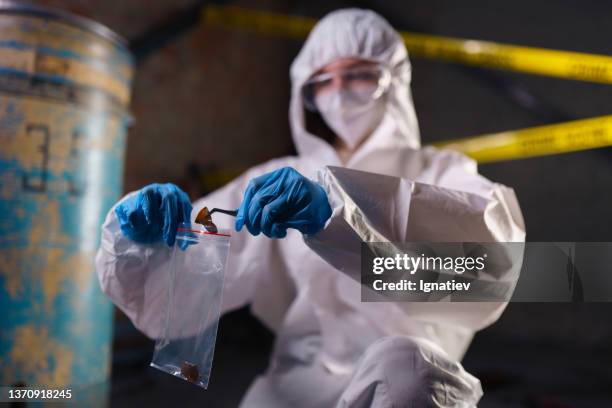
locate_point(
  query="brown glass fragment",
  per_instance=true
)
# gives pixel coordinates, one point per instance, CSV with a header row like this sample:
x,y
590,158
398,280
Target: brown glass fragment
x,y
190,371
205,219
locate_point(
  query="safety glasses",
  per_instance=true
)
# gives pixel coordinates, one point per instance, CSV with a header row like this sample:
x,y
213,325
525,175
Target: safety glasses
x,y
373,80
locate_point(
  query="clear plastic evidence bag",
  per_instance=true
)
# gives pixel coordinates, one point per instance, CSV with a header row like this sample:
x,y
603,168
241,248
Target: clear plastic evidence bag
x,y
196,271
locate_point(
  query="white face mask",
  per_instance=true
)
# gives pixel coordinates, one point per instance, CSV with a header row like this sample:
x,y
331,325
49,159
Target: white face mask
x,y
351,114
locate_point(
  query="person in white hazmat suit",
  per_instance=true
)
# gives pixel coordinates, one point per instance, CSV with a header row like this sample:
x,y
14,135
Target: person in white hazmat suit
x,y
331,349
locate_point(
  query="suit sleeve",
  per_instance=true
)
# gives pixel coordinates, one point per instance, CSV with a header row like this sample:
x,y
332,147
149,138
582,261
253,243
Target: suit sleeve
x,y
461,207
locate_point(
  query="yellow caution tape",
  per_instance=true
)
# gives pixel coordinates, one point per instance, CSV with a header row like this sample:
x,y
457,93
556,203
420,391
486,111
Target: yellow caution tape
x,y
536,141
541,61
261,22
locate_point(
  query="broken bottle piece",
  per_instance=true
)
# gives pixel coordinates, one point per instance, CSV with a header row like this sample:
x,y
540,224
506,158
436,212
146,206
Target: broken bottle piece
x,y
190,371
205,219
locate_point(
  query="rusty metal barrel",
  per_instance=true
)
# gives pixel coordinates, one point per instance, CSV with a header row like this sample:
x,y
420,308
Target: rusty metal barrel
x,y
64,93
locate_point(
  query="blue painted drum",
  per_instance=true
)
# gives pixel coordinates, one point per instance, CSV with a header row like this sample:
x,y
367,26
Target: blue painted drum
x,y
64,91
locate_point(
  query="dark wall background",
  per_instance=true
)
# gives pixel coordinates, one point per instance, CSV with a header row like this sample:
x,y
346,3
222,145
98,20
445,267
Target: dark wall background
x,y
213,102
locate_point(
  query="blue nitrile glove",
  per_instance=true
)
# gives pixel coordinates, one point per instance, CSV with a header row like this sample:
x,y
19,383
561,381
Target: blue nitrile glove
x,y
283,199
154,213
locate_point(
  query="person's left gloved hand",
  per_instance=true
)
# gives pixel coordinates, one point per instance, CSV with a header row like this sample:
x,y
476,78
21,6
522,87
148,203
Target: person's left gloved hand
x,y
283,199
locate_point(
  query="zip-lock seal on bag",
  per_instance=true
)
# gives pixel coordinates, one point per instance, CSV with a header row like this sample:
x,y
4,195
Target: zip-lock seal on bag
x,y
196,272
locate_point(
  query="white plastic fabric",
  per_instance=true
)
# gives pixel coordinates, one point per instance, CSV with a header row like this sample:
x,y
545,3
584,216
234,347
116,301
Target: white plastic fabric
x,y
331,349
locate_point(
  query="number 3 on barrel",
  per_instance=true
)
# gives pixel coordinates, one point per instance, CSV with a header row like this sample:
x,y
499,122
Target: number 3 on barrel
x,y
38,182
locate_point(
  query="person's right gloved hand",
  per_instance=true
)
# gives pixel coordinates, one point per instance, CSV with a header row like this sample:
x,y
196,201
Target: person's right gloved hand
x,y
153,213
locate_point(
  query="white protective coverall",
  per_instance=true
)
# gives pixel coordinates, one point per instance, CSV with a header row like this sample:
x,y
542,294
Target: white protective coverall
x,y
331,349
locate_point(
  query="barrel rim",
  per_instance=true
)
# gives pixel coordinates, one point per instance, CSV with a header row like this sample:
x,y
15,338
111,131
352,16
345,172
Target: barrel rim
x,y
19,7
